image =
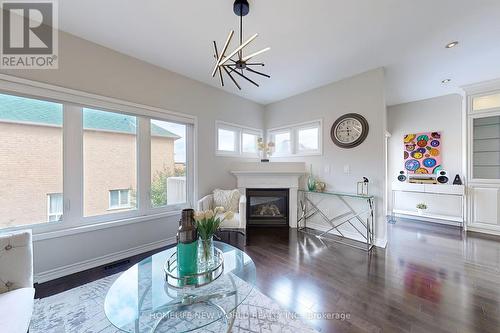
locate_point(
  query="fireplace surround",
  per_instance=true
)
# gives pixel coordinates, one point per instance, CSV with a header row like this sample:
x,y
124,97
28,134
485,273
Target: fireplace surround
x,y
272,175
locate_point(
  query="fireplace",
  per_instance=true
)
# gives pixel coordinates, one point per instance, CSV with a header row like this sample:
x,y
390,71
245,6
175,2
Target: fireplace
x,y
267,207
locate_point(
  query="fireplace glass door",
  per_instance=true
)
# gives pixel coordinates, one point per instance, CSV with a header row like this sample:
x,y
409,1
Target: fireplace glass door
x,y
267,207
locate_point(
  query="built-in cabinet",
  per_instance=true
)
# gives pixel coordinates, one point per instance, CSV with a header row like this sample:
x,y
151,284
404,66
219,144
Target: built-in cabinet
x,y
483,152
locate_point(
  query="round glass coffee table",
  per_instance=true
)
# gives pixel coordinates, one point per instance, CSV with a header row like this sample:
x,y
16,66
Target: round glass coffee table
x,y
140,300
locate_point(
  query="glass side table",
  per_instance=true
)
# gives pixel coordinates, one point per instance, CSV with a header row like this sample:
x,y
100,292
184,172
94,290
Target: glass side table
x,y
140,300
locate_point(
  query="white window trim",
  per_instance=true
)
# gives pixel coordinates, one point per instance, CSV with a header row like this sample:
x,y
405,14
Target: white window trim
x,y
239,130
237,139
258,134
294,129
271,135
74,100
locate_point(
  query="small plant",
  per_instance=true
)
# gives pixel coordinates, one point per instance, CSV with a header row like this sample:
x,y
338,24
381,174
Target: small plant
x,y
265,148
421,206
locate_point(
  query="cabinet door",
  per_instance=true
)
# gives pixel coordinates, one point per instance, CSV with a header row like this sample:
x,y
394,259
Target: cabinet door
x,y
486,147
485,206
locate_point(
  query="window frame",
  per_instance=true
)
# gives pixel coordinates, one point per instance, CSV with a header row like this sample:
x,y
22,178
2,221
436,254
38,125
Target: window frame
x,y
239,131
120,206
272,135
73,102
49,214
294,129
236,142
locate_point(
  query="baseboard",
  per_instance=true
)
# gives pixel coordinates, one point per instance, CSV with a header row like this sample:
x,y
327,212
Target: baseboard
x,y
428,219
106,259
379,242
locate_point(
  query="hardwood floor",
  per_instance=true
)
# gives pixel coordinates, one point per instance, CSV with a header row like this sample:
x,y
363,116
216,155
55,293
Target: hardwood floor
x,y
430,278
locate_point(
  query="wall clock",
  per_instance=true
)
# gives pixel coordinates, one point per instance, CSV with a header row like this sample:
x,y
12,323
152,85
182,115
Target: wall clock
x,y
349,130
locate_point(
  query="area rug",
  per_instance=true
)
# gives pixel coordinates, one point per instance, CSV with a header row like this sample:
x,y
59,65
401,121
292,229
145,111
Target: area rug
x,y
81,310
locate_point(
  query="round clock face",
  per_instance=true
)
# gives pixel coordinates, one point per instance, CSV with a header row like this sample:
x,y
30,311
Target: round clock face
x,y
349,130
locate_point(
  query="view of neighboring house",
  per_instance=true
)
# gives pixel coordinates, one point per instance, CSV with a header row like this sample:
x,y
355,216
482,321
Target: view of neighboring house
x,y
31,161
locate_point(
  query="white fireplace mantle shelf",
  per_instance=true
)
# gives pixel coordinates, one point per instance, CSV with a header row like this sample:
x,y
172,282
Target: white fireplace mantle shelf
x,y
272,175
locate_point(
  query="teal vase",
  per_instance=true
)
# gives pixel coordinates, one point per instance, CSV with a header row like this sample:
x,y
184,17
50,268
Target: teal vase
x,y
187,246
311,182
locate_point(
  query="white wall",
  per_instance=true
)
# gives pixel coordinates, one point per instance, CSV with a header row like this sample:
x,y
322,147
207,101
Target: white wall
x,y
88,67
442,114
363,94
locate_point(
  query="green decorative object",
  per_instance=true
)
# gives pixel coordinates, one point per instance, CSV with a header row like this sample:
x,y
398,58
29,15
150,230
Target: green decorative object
x,y
187,244
311,182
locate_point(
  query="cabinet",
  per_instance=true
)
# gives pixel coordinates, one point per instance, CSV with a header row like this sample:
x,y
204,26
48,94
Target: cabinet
x,y
445,203
483,167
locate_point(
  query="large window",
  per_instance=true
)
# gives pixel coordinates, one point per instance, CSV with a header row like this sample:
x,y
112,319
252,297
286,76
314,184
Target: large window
x,y
298,139
109,159
168,163
31,160
119,162
236,140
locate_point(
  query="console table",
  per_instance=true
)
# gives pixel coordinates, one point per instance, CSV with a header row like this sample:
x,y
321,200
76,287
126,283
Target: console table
x,y
360,220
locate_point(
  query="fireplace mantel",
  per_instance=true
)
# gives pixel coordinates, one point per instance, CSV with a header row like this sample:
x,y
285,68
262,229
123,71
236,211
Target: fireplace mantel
x,y
272,175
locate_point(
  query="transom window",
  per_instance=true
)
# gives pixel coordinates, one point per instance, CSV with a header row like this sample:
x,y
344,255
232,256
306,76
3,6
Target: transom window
x,y
236,140
298,139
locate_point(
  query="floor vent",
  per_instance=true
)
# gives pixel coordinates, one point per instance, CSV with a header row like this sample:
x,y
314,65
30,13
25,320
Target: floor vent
x,y
117,264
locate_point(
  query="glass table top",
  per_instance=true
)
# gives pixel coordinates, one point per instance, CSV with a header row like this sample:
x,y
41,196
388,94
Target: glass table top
x,y
140,300
339,194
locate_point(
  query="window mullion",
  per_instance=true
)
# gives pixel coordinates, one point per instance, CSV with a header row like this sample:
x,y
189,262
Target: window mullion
x,y
143,165
72,164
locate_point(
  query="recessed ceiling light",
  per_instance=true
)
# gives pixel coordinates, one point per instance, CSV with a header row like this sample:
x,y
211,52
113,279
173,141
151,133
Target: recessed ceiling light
x,y
452,44
446,81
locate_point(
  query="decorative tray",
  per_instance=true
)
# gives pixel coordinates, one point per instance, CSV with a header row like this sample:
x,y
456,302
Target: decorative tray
x,y
201,278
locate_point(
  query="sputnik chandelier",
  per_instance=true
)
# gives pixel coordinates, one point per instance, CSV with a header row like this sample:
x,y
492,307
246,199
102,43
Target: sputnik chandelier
x,y
241,65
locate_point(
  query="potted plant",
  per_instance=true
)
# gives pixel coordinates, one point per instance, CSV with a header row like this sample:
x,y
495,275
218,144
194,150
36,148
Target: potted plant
x,y
421,207
207,223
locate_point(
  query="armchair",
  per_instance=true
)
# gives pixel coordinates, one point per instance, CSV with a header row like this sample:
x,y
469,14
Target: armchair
x,y
16,281
237,222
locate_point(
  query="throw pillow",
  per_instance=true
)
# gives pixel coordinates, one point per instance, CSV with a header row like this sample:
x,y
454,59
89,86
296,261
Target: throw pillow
x,y
229,199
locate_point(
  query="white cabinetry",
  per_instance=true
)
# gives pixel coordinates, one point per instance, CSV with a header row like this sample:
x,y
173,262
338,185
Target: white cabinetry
x,y
483,156
445,203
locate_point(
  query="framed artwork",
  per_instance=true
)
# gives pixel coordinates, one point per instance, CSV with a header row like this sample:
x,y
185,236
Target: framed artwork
x,y
422,153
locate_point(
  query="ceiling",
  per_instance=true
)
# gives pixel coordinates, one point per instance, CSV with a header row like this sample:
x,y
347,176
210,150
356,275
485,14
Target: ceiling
x,y
312,42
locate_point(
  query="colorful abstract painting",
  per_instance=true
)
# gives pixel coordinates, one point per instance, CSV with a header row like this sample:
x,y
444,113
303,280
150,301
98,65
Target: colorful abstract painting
x,y
422,153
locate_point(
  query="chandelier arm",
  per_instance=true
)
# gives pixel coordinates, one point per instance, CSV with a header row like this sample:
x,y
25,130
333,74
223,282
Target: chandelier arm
x,y
255,64
219,70
223,61
256,72
232,78
243,76
224,49
248,57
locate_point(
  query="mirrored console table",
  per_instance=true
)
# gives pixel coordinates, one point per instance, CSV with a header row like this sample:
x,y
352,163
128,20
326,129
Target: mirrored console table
x,y
360,221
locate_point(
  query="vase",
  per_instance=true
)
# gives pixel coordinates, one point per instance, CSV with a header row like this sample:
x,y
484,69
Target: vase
x,y
420,211
311,182
206,253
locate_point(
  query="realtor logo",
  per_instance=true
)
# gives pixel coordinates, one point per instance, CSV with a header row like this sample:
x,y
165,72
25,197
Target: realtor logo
x,y
29,35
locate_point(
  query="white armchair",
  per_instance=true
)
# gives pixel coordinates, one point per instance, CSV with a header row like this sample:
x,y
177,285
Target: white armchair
x,y
239,221
16,281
